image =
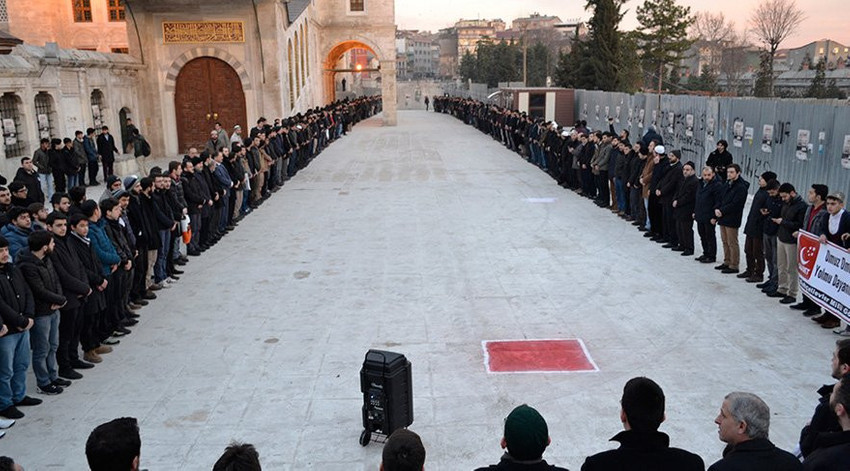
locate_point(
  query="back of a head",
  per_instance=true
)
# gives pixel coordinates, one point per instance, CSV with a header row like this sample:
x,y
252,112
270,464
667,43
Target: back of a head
x,y
114,446
643,404
238,457
749,408
403,452
526,433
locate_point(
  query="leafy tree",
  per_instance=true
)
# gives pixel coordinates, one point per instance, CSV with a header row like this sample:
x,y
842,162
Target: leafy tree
x,y
630,76
595,61
663,35
538,65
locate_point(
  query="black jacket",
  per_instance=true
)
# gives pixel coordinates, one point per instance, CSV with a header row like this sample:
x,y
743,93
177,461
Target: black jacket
x,y
686,199
643,451
72,275
757,455
843,228
823,421
708,199
106,148
42,280
30,180
832,453
774,207
732,203
16,302
793,214
670,182
96,301
507,463
719,162
755,220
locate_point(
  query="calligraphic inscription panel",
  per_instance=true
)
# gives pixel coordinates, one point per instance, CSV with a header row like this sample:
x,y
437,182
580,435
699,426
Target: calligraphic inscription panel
x,y
194,32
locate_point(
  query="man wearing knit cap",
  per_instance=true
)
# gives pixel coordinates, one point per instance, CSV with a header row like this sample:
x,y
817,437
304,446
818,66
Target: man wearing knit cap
x,y
403,452
526,437
642,446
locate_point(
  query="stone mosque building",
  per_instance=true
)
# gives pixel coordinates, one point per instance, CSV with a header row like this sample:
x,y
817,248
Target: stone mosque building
x,y
176,67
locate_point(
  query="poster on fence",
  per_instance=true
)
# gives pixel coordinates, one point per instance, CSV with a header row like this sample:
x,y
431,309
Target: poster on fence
x,y
738,133
845,152
824,272
689,125
709,129
767,139
803,136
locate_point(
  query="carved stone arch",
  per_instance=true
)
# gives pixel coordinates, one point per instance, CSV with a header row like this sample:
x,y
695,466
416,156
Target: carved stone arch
x,y
174,70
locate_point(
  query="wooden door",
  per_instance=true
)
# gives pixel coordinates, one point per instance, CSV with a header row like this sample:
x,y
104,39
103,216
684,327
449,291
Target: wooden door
x,y
208,90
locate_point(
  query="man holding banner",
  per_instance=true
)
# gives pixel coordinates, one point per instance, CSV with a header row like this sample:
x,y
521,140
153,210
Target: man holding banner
x,y
835,229
812,222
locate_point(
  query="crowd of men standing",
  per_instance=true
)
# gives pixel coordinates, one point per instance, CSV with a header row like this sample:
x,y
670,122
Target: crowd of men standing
x,y
74,274
647,184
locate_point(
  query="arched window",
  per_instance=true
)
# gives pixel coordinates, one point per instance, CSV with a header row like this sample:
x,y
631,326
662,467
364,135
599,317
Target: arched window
x,y
97,108
291,77
307,42
14,134
297,68
303,53
45,116
82,11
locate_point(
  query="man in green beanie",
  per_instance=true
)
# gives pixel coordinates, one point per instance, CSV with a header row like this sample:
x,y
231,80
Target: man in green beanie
x,y
526,437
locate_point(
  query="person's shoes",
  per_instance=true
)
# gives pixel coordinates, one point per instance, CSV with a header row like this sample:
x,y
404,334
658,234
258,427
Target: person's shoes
x,y
6,423
194,253
50,389
103,349
91,356
776,294
110,341
831,323
677,248
164,285
800,306
763,285
662,241
148,295
669,245
721,267
134,306
838,332
642,229
744,274
62,383
81,365
687,253
155,287
708,260
120,332
230,227
28,401
813,311
729,270
755,279
176,272
700,258
769,288
172,279
132,315
129,322
141,302
11,412
821,318
179,261
649,235
69,373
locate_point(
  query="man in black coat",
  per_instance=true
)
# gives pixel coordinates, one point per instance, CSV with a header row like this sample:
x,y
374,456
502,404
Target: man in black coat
x,y
654,207
720,159
772,209
729,216
743,424
709,196
833,452
75,286
683,209
525,438
754,232
106,149
95,305
29,177
824,421
642,446
791,220
666,193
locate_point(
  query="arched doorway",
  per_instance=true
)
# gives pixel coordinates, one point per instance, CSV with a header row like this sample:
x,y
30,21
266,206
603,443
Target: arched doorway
x,y
207,90
333,67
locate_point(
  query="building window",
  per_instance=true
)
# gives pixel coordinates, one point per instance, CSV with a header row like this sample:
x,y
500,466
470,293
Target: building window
x,y
116,10
45,115
97,108
537,105
4,12
14,140
121,50
358,5
82,11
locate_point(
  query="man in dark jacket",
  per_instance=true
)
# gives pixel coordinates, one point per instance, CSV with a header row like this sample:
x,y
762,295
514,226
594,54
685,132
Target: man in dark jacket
x,y
95,304
75,286
720,159
57,164
729,216
816,214
107,150
47,293
754,232
709,196
16,310
824,420
791,220
833,454
666,193
642,446
654,208
684,204
29,177
525,439
743,424
771,209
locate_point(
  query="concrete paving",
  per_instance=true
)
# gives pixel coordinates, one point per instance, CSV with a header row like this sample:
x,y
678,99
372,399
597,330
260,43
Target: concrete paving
x,y
426,239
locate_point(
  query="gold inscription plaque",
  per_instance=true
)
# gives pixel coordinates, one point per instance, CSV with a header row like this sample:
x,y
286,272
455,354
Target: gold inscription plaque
x,y
191,32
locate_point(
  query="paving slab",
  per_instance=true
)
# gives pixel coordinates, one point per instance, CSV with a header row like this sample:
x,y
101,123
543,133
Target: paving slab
x,y
427,239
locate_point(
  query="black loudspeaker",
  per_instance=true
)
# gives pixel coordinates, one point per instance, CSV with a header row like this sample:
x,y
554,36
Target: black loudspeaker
x,y
385,381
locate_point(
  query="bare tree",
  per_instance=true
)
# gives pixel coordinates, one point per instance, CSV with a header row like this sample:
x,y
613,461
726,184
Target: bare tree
x,y
711,33
735,60
773,22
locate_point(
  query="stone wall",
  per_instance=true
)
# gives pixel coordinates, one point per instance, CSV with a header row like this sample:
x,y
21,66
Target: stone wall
x,y
38,22
66,80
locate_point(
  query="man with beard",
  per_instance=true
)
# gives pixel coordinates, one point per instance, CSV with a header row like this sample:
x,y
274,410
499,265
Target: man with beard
x,y
29,177
824,421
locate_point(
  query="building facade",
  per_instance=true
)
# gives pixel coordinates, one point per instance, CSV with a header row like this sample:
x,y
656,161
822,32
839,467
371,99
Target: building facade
x,y
469,32
90,25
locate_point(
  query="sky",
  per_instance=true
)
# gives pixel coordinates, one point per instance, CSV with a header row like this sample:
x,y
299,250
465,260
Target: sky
x,y
824,18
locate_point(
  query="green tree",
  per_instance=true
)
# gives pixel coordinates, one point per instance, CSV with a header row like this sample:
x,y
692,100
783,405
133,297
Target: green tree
x,y
564,71
538,65
817,89
630,76
595,61
468,69
832,91
764,76
663,35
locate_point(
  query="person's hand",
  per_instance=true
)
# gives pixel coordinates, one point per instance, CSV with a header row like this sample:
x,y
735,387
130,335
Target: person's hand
x,y
714,222
30,323
675,203
776,220
657,192
3,330
112,268
718,213
209,203
822,239
90,291
129,265
54,307
628,185
795,234
185,211
174,226
103,285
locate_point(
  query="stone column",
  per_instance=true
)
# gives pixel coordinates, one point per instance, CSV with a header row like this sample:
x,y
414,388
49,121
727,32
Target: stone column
x,y
388,92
